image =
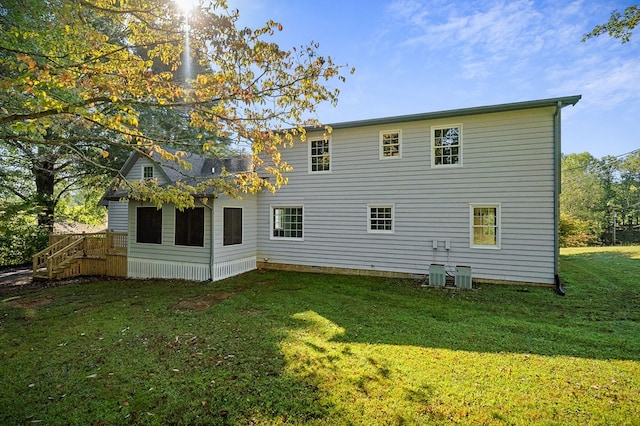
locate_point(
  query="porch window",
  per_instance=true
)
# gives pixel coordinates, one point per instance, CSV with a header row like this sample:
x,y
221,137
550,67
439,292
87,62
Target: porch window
x,y
148,225
190,227
232,233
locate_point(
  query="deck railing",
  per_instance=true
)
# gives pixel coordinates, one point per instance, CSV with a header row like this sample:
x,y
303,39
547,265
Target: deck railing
x,y
69,255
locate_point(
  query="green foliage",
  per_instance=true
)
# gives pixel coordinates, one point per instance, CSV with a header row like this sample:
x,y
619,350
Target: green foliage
x,y
111,73
280,348
82,207
620,25
20,235
593,191
575,232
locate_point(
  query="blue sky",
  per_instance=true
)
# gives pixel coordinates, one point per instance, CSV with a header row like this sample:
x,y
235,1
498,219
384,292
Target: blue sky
x,y
414,56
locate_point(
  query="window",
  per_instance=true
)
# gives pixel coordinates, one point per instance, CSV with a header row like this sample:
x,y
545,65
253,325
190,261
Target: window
x,y
446,145
148,225
147,172
485,226
390,144
380,219
190,227
319,156
232,226
286,222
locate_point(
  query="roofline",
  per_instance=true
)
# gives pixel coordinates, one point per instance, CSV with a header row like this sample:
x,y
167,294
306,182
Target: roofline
x,y
540,103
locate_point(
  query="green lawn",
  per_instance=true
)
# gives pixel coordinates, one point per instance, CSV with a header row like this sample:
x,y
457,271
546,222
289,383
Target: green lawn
x,y
290,348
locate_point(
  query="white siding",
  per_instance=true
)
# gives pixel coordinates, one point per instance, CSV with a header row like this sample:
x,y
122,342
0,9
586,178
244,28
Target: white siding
x,y
508,159
234,259
117,212
136,171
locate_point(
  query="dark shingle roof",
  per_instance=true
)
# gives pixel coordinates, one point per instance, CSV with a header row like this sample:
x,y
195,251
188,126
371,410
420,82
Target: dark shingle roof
x,y
202,169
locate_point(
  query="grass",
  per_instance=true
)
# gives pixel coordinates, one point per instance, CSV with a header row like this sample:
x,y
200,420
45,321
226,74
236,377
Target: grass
x,y
276,348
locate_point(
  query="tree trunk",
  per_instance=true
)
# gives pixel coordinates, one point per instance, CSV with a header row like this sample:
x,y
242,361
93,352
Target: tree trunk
x,y
43,171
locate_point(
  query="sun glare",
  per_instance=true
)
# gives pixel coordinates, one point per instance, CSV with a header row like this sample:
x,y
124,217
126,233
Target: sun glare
x,y
186,5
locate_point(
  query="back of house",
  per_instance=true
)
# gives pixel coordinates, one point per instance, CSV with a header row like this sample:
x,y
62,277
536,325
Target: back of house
x,y
476,187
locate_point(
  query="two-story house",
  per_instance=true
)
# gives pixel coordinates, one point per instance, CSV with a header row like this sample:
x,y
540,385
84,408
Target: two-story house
x,y
476,186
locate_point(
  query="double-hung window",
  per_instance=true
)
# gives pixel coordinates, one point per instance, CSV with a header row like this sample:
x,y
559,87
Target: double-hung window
x,y
380,219
320,156
390,144
148,225
287,222
446,145
485,225
190,227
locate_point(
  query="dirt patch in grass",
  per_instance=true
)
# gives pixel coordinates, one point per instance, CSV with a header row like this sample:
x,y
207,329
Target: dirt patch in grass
x,y
201,303
19,302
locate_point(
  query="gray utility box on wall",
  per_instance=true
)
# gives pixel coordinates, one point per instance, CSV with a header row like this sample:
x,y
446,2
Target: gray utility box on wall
x,y
437,275
463,277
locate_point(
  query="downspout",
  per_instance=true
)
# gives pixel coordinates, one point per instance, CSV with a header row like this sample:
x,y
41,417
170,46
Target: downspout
x,y
211,239
557,156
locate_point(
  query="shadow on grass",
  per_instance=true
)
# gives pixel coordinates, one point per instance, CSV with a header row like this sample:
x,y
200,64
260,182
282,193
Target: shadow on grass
x,y
598,319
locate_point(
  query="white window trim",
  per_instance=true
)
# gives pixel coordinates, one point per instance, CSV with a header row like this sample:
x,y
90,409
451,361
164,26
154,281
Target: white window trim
x,y
381,148
498,207
280,206
328,140
393,219
433,148
153,171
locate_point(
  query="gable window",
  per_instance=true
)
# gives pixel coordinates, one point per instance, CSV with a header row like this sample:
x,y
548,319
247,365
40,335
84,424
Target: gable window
x,y
485,225
380,219
319,155
190,227
446,145
286,222
390,144
232,226
148,225
147,172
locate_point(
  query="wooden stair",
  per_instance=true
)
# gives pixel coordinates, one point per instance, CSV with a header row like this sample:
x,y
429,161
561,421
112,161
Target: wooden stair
x,y
60,260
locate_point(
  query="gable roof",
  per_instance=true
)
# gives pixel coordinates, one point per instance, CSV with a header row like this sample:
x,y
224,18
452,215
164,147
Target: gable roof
x,y
202,168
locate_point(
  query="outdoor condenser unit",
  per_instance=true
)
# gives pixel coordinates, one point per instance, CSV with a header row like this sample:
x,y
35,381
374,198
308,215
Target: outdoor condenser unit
x,y
463,277
437,276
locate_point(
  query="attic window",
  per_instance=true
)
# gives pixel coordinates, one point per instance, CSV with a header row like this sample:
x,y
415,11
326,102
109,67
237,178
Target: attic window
x,y
147,172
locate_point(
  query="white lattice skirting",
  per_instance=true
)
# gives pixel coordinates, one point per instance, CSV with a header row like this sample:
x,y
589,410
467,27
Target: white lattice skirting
x,y
222,270
148,268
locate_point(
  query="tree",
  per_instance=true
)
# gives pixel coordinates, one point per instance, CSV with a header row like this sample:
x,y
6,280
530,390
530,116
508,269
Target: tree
x,y
91,63
581,199
619,26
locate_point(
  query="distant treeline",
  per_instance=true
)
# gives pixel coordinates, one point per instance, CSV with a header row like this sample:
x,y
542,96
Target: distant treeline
x,y
600,200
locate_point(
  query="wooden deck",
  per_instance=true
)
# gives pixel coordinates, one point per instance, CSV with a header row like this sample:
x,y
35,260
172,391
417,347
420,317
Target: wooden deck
x,y
74,255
